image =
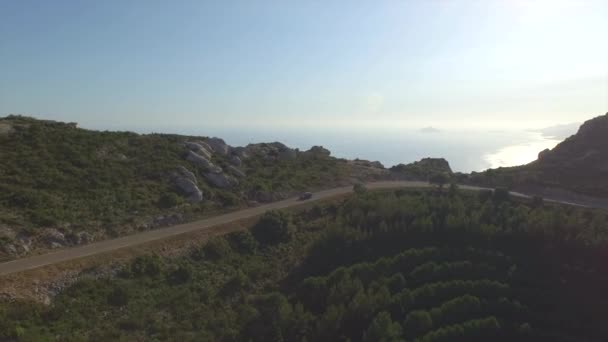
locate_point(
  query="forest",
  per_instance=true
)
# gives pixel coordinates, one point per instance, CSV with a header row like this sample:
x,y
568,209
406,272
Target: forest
x,y
405,265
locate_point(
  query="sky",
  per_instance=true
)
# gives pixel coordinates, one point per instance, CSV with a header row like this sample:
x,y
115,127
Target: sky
x,y
367,64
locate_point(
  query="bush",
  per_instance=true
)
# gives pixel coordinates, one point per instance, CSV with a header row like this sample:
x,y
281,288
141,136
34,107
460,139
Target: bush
x,y
243,242
216,248
272,228
149,265
169,200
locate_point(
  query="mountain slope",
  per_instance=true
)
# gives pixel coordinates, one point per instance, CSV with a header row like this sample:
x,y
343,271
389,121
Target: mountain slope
x,y
61,185
578,165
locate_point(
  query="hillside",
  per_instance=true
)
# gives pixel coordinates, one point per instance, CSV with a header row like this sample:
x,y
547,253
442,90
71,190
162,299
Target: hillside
x,y
61,185
577,167
386,266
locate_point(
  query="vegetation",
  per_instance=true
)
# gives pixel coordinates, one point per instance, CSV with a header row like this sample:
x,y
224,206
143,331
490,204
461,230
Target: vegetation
x,y
379,266
108,183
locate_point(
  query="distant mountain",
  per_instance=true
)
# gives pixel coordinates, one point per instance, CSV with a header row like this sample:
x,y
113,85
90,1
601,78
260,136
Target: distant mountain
x,y
578,165
430,129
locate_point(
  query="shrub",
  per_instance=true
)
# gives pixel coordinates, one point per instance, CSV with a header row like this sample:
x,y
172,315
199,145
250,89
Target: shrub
x,y
272,228
169,200
216,248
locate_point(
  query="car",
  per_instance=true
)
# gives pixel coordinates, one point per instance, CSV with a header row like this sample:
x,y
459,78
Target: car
x,y
305,196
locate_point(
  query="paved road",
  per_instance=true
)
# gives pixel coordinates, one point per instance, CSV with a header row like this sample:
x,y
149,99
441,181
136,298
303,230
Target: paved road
x,y
36,261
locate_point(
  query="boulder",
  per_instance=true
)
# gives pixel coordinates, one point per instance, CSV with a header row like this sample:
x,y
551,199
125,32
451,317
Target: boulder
x,y
221,180
218,146
235,171
186,174
202,161
235,160
199,147
167,220
187,184
241,152
53,238
84,237
189,188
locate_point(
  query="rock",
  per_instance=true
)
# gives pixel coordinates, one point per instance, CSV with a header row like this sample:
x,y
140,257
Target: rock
x,y
84,237
55,245
200,148
189,188
186,182
317,152
544,153
52,236
287,154
241,152
221,180
168,220
235,171
186,174
377,164
218,146
8,233
367,163
202,161
235,160
10,249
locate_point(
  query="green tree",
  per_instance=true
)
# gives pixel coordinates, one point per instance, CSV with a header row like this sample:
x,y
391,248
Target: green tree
x,y
417,322
439,179
383,329
272,228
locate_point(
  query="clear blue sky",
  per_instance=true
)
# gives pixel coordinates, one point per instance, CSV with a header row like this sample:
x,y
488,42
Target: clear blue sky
x,y
273,63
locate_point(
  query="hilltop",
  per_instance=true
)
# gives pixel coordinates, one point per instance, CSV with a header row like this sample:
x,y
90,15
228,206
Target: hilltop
x,y
61,185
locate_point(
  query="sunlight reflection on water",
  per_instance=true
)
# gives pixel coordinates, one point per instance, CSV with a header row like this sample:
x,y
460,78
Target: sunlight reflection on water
x,y
519,154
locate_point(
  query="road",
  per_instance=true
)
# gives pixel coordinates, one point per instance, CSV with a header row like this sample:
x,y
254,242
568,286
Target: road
x,y
67,254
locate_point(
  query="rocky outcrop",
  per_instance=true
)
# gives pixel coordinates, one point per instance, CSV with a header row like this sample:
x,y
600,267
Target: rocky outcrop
x,y
235,160
316,152
579,164
186,182
219,146
241,152
200,148
367,163
199,160
53,238
167,220
221,180
288,154
235,171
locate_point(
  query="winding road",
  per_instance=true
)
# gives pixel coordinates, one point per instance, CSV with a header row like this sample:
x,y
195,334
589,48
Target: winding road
x,y
95,248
